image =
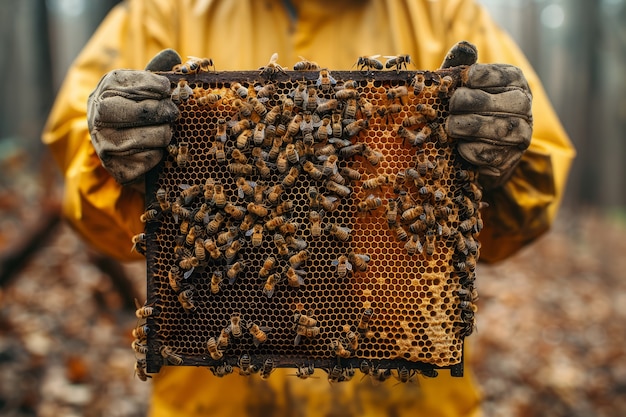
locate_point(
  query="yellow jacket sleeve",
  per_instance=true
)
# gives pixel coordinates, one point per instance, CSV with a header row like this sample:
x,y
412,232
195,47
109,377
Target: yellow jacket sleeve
x,y
243,35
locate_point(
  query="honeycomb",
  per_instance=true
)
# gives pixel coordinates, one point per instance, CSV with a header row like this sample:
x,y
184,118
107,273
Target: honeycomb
x,y
310,219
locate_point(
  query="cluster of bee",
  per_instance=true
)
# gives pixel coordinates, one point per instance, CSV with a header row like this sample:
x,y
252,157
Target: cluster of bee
x,y
238,217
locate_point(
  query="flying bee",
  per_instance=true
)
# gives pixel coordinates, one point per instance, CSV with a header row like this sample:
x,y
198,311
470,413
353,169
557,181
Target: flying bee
x,y
369,63
215,223
216,281
140,369
398,62
340,190
235,325
370,204
211,345
315,223
267,368
295,277
266,268
281,244
272,67
231,252
356,127
274,193
418,83
181,92
305,331
235,212
246,368
427,110
239,89
359,260
397,93
259,334
219,197
364,322
339,349
223,339
343,266
139,244
325,81
375,182
149,215
270,285
257,235
186,300
233,271
168,354
266,91
313,171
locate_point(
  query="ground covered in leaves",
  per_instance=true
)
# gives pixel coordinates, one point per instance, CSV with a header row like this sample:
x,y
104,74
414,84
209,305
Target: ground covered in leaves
x,y
551,337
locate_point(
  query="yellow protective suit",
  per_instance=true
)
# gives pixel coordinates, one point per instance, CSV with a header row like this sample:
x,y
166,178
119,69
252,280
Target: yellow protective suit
x,y
242,35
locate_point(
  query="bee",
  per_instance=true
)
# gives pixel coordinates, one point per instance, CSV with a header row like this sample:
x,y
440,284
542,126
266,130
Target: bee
x,y
258,107
274,193
312,100
326,107
267,368
199,250
235,325
270,285
284,207
339,232
397,92
401,234
239,89
275,150
140,370
313,171
219,197
257,235
347,92
405,375
299,258
369,63
188,263
412,137
375,182
216,281
339,349
380,374
418,83
373,157
336,126
238,127
259,334
245,188
149,215
343,266
300,94
398,62
272,67
472,245
442,136
444,85
412,213
413,245
257,209
282,163
292,153
370,203
138,242
295,277
387,111
429,215
288,106
223,339
351,174
175,278
356,127
430,243
367,108
418,226
424,164
265,91
246,367
304,371
243,107
186,300
266,268
231,252
468,294
233,271
315,223
138,347
262,168
189,192
353,340
340,190
235,212
275,222
473,190
141,333
296,243
219,151
307,331
467,225
281,244
391,212
272,115
215,223
359,260
161,196
181,92
168,354
227,236
313,195
413,120
222,370
328,203
144,311
324,131
182,157
325,81
209,99
466,205
364,322
427,110
194,65
334,375
288,228
242,142
211,346
191,236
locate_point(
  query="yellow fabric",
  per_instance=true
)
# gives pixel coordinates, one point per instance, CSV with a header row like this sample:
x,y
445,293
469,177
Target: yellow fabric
x,y
243,35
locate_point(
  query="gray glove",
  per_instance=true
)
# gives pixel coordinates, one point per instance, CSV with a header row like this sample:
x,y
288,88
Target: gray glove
x,y
129,116
491,117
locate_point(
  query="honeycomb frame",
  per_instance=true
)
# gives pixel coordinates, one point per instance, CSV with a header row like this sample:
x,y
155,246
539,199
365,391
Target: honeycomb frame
x,y
420,289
